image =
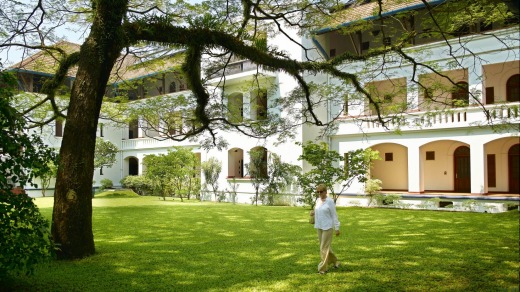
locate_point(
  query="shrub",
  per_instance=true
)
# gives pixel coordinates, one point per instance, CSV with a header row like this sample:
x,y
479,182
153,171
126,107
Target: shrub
x,y
137,183
106,184
117,194
25,239
372,187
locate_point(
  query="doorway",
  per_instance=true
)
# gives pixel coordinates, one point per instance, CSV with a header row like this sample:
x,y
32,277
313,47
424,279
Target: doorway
x,y
462,170
514,169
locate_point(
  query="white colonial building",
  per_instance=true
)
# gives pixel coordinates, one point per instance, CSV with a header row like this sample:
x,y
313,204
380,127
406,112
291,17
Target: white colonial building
x,y
440,141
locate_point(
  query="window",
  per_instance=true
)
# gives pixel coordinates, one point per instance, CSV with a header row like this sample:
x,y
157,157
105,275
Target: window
x,y
513,88
387,41
235,163
491,170
389,156
236,107
133,166
258,162
38,82
460,94
182,87
430,155
101,170
58,129
173,87
332,53
101,130
345,105
365,46
259,106
490,95
428,94
132,94
133,129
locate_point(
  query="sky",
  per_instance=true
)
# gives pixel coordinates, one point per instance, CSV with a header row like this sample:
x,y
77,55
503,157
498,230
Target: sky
x,y
15,54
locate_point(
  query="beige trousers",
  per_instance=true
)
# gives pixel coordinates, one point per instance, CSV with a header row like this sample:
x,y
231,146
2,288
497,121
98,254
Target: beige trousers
x,y
326,253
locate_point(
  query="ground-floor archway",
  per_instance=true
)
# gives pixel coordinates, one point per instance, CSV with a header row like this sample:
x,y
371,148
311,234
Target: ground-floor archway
x,y
392,169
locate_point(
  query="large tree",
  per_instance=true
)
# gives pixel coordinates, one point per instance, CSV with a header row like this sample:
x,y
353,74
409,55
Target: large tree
x,y
217,28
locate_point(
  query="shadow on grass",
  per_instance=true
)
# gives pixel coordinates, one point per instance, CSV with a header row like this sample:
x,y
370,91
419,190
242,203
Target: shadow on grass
x,y
222,247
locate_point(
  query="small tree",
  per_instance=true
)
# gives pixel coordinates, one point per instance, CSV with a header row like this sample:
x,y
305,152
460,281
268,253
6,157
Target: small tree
x,y
326,169
357,164
184,171
232,191
257,169
372,188
280,175
158,173
211,170
46,175
105,153
172,174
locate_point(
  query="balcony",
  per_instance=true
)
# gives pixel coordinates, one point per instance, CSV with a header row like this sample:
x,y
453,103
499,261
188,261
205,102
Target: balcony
x,y
238,70
152,143
499,114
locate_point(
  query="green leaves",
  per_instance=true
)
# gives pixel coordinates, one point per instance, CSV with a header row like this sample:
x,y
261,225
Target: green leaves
x,y
174,173
25,238
105,153
326,169
20,151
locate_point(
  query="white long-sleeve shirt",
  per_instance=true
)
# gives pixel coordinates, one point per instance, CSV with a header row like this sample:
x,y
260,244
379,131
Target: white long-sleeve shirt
x,y
325,216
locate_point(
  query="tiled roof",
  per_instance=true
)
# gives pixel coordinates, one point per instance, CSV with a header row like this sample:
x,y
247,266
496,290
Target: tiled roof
x,y
360,10
126,68
46,61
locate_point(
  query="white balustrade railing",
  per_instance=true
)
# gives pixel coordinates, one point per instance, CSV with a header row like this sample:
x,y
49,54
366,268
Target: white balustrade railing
x,y
456,117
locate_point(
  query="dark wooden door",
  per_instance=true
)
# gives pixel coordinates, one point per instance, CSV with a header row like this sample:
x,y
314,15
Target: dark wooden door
x,y
462,170
514,169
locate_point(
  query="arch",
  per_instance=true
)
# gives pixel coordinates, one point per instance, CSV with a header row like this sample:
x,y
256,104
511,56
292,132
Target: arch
x,y
437,164
133,166
392,169
513,165
235,106
258,162
172,87
462,169
460,94
133,129
259,105
513,88
235,163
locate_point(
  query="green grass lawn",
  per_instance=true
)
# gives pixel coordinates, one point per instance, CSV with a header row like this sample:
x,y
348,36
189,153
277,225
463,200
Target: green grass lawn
x,y
146,244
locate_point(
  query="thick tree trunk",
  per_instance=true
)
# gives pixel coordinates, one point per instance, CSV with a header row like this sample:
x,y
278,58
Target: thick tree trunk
x,y
72,214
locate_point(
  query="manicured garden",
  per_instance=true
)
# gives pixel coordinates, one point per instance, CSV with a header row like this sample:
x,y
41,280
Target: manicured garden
x,y
147,244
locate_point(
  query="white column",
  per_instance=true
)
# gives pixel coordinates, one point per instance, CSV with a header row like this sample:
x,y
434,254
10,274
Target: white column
x,y
415,171
412,96
247,105
475,82
477,160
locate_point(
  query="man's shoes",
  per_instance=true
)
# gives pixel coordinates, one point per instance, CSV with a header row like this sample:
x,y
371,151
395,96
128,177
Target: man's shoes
x,y
337,265
322,272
